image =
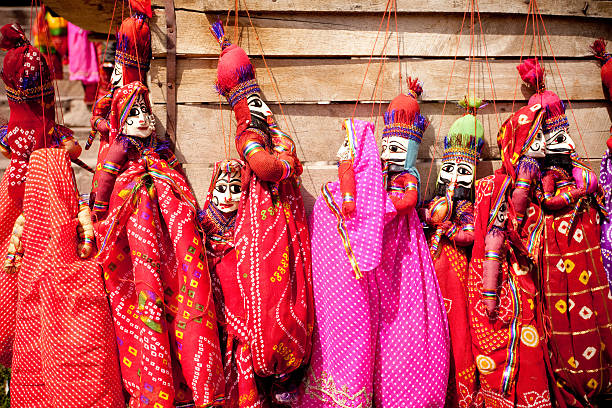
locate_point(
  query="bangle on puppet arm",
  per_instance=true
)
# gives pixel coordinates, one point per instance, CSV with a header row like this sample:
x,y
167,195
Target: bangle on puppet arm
x,y
404,193
461,235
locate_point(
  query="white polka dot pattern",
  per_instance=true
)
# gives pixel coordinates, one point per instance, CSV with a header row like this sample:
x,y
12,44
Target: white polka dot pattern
x,y
382,338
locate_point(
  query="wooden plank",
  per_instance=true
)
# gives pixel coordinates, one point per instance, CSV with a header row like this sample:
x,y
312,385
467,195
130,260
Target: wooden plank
x,y
92,15
354,35
316,80
317,129
591,8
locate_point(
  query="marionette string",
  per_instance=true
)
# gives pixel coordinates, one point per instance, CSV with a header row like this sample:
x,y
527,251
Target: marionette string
x,y
275,88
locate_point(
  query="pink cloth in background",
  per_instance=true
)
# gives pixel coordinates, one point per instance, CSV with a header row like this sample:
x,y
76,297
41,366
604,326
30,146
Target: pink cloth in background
x,y
382,338
82,56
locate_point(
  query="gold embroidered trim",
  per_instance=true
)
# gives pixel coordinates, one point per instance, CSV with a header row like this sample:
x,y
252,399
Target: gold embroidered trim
x,y
326,390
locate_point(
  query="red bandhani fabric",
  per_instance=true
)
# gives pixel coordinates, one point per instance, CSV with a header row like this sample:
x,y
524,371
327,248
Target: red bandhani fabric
x,y
241,387
65,353
451,267
508,349
157,277
577,306
8,281
273,250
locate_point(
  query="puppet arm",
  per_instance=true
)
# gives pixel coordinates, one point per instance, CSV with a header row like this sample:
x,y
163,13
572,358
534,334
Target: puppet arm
x,y
522,188
85,230
12,263
494,242
557,202
114,161
99,115
266,166
405,193
346,175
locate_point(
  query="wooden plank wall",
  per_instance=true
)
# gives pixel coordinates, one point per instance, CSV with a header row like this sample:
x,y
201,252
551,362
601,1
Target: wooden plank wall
x,y
318,50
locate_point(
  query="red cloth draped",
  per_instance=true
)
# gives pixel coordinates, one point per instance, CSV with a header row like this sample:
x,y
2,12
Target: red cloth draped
x,y
577,306
274,274
160,291
65,353
8,282
509,351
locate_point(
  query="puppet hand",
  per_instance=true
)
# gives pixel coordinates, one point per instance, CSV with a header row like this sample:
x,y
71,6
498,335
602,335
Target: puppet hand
x,y
14,254
348,208
491,308
85,230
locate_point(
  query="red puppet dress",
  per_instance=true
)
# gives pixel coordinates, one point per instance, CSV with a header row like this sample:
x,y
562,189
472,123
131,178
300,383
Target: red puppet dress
x,y
242,386
65,354
451,214
508,343
271,238
31,126
155,269
577,304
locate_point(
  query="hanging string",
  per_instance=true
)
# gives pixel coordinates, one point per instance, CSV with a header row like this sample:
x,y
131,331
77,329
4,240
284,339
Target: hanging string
x,y
435,148
562,82
516,84
370,59
494,96
380,70
225,147
105,50
274,87
135,44
397,35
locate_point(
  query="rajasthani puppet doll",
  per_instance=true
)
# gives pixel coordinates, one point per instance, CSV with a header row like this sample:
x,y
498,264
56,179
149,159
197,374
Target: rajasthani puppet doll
x,y
605,173
507,336
347,242
577,301
31,126
218,218
271,238
155,265
56,331
413,339
132,58
451,217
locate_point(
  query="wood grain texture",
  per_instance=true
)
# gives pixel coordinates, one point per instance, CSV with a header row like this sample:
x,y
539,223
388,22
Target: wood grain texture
x,y
317,131
92,15
316,80
431,35
591,8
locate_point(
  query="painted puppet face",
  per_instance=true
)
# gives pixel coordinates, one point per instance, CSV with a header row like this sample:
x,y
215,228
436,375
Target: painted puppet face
x,y
139,122
538,147
227,192
116,79
394,150
259,111
459,173
559,142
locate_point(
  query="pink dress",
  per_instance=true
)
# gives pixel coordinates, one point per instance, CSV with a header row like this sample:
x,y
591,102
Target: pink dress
x,y
383,338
